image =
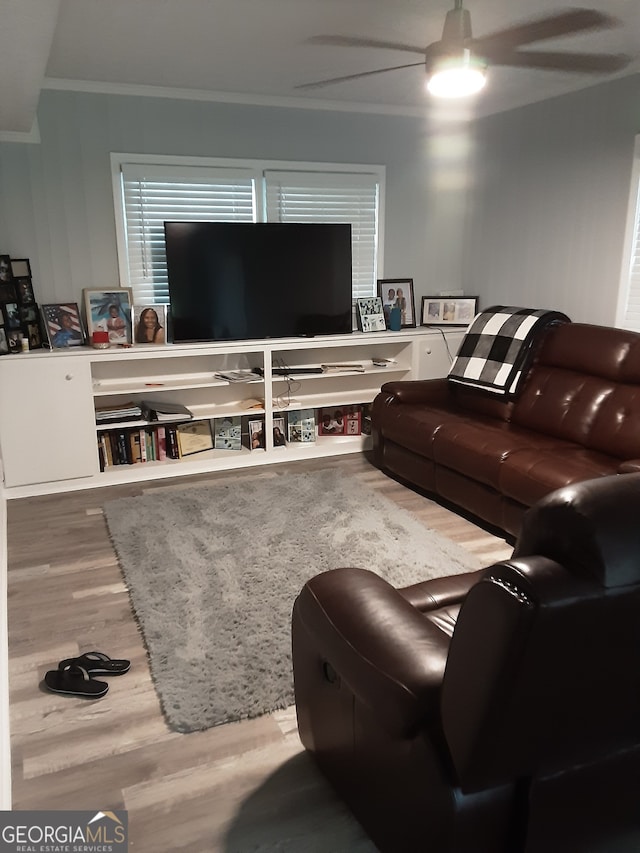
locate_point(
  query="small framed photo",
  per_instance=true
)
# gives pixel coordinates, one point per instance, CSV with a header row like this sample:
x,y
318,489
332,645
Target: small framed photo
x,y
24,290
62,325
4,343
448,310
20,268
279,432
109,311
11,315
32,331
256,435
5,269
149,324
370,314
398,293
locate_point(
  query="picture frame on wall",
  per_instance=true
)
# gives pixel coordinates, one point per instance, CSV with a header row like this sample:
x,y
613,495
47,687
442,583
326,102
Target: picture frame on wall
x,y
149,324
448,310
398,293
109,311
62,325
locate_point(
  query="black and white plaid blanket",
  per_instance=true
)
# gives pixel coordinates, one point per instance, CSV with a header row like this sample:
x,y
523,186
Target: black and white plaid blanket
x,y
495,351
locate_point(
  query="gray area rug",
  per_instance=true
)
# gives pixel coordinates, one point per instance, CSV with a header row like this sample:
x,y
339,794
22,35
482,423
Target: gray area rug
x,y
213,572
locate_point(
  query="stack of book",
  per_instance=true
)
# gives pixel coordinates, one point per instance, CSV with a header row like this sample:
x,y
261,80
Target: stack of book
x,y
116,413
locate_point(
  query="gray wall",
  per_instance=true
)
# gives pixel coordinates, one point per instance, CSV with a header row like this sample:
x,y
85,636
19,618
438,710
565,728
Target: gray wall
x,y
527,207
545,224
56,202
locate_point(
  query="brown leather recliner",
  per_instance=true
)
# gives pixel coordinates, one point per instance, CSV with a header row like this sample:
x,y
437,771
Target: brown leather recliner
x,y
497,711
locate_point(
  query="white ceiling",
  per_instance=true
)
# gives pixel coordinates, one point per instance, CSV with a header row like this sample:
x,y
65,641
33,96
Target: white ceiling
x,y
257,51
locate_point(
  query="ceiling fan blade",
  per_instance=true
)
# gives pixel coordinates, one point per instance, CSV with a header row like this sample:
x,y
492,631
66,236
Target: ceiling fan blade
x,y
354,41
320,83
564,23
556,61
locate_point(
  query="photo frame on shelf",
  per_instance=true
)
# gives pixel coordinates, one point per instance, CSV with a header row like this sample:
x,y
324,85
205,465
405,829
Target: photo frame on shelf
x,y
370,314
24,290
109,311
149,324
448,310
62,325
398,293
4,343
6,276
11,315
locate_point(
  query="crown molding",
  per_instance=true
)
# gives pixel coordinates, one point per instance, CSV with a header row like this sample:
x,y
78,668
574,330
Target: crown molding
x,y
143,91
32,136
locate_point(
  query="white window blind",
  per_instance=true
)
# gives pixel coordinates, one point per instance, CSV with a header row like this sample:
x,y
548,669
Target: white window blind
x,y
304,196
148,194
155,194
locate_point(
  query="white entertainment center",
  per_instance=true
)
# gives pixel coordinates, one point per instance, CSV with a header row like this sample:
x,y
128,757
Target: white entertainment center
x,y
48,431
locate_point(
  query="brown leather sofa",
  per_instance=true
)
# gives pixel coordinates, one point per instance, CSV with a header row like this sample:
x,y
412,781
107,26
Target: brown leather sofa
x,y
492,712
577,417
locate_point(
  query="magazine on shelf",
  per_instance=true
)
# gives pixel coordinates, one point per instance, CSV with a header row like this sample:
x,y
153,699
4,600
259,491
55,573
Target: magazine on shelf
x,y
237,375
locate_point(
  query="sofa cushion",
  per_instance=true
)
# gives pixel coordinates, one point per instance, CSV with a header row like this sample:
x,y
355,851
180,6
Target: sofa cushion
x,y
415,427
480,449
529,475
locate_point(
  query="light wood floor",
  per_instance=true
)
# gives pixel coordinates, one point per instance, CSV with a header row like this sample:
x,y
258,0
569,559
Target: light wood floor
x,y
227,789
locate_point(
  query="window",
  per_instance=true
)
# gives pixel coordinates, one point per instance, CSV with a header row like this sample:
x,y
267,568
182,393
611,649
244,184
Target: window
x,y
148,193
629,302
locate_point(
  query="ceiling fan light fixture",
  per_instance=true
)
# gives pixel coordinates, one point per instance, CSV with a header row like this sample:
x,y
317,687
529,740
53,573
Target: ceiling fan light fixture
x,y
456,76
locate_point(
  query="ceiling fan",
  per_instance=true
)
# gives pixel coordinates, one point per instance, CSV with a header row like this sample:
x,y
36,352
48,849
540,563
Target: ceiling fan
x,y
456,65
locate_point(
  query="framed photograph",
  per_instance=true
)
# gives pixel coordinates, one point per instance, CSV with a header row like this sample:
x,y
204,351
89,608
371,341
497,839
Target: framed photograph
x,y
4,343
62,325
33,333
279,432
24,290
228,433
448,310
20,268
149,324
5,269
256,435
398,293
194,437
109,311
11,315
370,314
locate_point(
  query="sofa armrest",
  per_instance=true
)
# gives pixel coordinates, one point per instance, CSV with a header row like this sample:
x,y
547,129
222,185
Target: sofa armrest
x,y
441,592
417,391
391,657
629,466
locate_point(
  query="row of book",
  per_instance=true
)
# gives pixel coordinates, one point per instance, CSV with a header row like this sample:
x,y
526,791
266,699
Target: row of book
x,y
161,441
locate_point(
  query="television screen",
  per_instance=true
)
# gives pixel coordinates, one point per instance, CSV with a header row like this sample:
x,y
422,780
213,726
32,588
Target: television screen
x,y
246,280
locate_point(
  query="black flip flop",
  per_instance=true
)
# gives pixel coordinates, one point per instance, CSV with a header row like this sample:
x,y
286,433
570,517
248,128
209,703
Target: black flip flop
x,y
74,681
97,663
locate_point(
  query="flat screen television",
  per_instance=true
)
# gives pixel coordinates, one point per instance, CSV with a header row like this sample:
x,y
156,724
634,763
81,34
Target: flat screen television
x,y
252,280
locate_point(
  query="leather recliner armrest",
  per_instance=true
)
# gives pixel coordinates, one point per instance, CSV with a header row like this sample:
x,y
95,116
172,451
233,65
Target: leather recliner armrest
x,y
417,391
441,592
391,656
629,466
